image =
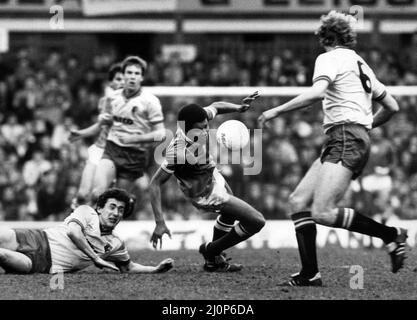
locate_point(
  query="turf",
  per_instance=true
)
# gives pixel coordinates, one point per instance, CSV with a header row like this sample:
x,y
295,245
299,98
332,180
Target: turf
x,y
264,270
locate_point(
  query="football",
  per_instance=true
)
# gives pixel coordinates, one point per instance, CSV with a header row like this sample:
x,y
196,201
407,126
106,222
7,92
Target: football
x,y
233,134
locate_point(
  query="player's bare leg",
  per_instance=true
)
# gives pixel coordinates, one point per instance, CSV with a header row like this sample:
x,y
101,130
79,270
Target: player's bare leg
x,y
302,196
8,239
86,184
10,260
15,262
103,178
334,181
332,185
250,220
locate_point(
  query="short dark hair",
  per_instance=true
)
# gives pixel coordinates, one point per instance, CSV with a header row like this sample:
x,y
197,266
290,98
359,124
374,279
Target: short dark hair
x,y
191,114
134,60
114,69
337,29
119,195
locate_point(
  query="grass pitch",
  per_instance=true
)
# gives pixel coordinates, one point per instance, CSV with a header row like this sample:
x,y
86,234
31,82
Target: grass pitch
x,y
264,270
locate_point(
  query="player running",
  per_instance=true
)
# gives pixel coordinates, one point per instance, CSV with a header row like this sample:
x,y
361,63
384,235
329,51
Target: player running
x,y
137,124
85,238
348,87
102,127
202,184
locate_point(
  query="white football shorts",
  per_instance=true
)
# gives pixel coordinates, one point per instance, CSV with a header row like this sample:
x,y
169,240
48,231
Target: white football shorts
x,y
94,154
217,197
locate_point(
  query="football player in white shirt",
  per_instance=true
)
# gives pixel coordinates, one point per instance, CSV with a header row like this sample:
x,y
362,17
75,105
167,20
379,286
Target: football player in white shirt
x,y
137,124
101,128
348,88
85,238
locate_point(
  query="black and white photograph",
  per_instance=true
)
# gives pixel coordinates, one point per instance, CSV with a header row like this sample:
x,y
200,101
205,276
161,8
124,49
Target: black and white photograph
x,y
205,156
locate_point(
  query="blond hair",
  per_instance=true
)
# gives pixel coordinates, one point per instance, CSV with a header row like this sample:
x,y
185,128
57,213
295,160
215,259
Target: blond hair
x,y
337,29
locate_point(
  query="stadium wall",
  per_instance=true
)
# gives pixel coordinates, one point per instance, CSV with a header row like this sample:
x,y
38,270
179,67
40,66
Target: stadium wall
x,y
188,235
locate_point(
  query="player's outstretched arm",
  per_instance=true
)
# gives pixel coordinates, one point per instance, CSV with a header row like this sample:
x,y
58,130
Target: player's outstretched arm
x,y
228,107
104,119
77,236
134,267
159,178
313,94
84,133
388,109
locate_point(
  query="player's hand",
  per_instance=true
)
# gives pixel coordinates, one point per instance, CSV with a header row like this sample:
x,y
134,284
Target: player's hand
x,y
160,230
246,102
74,136
105,118
165,265
263,119
100,263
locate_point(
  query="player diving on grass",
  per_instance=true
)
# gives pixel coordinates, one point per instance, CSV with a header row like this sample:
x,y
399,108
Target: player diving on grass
x,y
348,87
137,122
101,128
85,238
188,159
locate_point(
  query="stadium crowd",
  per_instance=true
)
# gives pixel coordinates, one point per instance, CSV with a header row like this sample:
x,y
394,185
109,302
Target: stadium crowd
x,y
42,98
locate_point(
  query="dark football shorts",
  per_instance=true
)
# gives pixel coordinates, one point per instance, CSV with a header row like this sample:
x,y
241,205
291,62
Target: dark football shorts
x,y
34,244
350,144
130,162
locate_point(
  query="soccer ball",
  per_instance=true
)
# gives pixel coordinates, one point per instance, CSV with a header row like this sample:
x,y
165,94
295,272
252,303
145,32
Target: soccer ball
x,y
233,134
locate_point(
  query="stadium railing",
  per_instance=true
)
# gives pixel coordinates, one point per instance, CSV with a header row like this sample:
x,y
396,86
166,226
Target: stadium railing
x,y
263,91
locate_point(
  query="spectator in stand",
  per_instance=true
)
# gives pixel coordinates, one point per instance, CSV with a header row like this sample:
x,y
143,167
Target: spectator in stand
x,y
27,100
12,130
173,74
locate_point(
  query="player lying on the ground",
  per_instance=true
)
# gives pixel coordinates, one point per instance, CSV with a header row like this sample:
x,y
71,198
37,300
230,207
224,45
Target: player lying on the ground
x,y
204,186
85,238
348,88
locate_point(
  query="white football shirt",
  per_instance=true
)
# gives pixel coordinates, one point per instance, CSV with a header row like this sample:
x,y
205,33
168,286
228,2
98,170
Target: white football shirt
x,y
67,257
134,115
353,86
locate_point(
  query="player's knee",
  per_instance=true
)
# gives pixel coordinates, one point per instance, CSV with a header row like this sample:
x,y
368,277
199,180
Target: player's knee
x,y
5,236
297,203
258,223
3,256
254,224
321,214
